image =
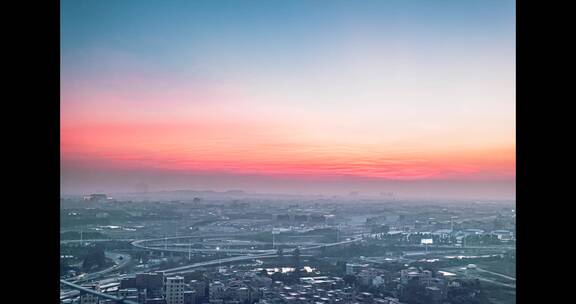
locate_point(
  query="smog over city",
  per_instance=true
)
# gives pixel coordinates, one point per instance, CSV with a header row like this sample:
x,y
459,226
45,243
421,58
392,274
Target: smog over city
x,y
287,152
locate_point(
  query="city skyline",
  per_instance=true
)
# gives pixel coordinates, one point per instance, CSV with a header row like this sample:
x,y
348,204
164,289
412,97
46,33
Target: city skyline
x,y
290,96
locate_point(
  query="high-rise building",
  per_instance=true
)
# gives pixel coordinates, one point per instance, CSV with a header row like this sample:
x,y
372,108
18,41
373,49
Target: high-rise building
x,y
174,290
190,297
149,280
199,287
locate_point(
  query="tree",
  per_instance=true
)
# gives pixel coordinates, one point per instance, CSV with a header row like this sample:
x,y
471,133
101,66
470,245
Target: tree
x,y
413,293
94,258
350,279
341,265
469,292
277,276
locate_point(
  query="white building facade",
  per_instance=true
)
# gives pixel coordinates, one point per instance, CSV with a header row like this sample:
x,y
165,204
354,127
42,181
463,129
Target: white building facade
x,y
175,290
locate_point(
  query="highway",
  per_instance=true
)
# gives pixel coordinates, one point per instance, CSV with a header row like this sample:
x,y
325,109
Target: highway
x,y
123,259
120,260
183,269
476,274
497,274
95,241
260,254
246,254
99,294
142,245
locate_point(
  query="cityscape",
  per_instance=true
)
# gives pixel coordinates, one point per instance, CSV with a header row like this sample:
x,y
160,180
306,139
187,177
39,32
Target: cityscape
x,y
287,152
240,248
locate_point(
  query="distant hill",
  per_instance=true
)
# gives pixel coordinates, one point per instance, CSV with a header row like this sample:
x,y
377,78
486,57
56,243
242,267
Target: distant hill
x,y
185,194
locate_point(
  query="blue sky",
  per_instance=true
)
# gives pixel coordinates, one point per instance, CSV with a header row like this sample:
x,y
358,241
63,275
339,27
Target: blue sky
x,y
168,31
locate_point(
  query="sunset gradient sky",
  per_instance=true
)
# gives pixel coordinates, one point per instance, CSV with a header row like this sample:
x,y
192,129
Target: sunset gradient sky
x,y
289,96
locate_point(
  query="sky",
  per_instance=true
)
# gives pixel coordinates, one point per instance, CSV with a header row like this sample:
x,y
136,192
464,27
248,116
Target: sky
x,y
315,96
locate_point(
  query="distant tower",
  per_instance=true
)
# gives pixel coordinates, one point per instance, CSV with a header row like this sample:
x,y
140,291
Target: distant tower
x,y
297,260
274,232
451,228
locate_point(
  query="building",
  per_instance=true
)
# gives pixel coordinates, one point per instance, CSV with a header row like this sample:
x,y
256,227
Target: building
x,y
411,273
425,277
380,228
155,301
149,285
378,281
243,294
199,287
128,292
149,280
390,300
503,235
367,275
261,281
129,282
434,294
443,233
354,268
216,290
174,290
190,297
88,298
96,197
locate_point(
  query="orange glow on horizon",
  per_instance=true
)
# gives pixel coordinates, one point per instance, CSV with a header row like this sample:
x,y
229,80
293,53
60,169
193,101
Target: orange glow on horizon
x,y
263,149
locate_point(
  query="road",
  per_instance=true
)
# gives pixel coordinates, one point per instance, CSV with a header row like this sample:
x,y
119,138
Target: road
x,y
476,274
250,257
139,244
497,274
94,292
120,260
95,241
142,245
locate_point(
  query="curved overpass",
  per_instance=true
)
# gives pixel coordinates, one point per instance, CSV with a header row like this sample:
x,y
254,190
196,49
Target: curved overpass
x,y
260,254
144,244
